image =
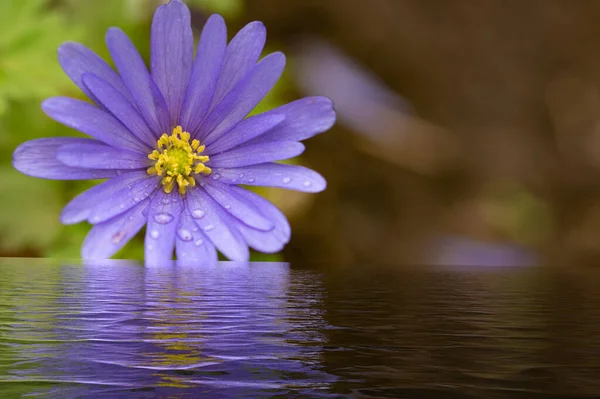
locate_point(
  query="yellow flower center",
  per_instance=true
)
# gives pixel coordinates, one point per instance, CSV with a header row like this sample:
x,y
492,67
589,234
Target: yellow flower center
x,y
177,159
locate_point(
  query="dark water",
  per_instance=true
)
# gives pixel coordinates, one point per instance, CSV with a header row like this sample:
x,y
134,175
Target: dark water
x,y
265,330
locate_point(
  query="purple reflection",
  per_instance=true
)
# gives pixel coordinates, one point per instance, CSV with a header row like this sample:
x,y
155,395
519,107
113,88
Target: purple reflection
x,y
117,329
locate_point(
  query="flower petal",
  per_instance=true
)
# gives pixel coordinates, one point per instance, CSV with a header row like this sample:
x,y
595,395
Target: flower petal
x,y
205,73
291,177
123,199
163,217
246,130
216,224
240,58
123,109
92,121
38,158
238,208
172,53
105,239
80,207
191,245
264,241
304,118
76,60
100,156
253,154
242,99
145,93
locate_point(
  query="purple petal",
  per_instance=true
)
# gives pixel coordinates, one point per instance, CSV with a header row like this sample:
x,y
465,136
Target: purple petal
x,y
304,118
163,218
291,177
205,73
172,53
242,99
113,100
123,199
191,245
105,239
38,158
92,121
264,241
241,56
216,224
80,207
100,156
146,94
237,207
76,60
253,154
246,130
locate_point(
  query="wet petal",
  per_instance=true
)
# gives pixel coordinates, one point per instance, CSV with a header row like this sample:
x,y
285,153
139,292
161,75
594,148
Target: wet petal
x,y
100,156
123,199
146,95
172,52
216,224
92,121
191,245
105,239
253,154
238,208
38,158
242,99
163,218
205,73
291,177
80,207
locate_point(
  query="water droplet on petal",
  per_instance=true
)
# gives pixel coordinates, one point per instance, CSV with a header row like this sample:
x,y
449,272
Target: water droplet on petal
x,y
195,229
227,206
241,175
198,214
149,246
136,199
119,173
307,183
185,235
165,201
286,180
163,218
251,180
199,242
216,176
209,227
122,206
154,234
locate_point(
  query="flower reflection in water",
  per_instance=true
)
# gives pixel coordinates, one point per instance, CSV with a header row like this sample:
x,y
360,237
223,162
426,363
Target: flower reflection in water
x,y
243,329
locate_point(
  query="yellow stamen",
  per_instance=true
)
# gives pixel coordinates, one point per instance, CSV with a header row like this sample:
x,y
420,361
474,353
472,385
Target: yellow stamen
x,y
177,159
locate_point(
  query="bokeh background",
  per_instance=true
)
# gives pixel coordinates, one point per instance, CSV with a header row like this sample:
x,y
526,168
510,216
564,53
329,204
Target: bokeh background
x,y
468,131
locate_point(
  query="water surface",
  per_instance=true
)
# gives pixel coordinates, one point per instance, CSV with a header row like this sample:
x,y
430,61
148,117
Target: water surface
x,y
267,330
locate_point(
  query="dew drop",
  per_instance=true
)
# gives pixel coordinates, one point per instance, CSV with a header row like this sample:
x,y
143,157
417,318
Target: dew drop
x,y
119,173
195,229
202,184
149,246
136,199
307,183
163,218
209,227
241,175
227,206
129,186
165,201
198,214
199,242
286,180
154,234
216,176
251,180
185,235
122,206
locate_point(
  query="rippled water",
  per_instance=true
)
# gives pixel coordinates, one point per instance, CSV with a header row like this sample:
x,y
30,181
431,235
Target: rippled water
x,y
265,330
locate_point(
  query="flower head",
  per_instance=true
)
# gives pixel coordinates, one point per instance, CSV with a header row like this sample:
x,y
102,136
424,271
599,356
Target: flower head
x,y
174,142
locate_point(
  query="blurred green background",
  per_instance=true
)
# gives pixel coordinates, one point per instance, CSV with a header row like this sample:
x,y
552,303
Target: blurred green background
x,y
468,132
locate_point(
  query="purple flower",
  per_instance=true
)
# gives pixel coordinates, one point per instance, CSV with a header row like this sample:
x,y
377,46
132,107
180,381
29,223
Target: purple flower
x,y
174,143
